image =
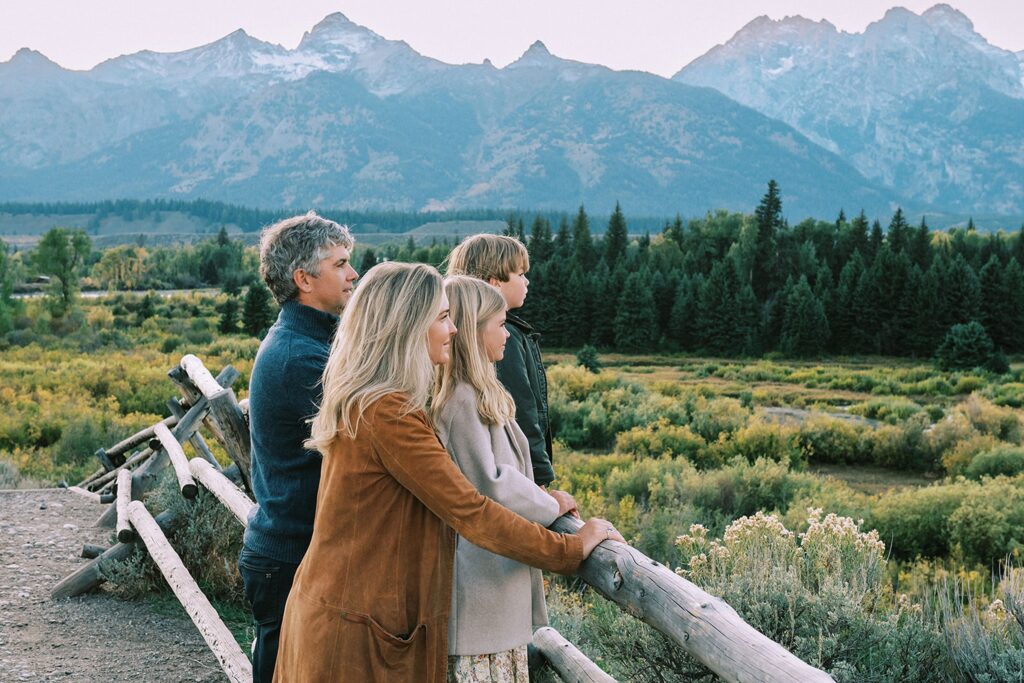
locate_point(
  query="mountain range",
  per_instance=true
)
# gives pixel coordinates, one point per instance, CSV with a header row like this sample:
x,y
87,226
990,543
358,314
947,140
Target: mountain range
x,y
351,119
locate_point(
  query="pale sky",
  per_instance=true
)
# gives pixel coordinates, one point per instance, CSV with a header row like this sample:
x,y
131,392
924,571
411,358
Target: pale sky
x,y
660,36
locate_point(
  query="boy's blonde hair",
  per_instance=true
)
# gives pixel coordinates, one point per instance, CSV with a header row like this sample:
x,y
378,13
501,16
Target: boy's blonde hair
x,y
473,303
380,348
487,256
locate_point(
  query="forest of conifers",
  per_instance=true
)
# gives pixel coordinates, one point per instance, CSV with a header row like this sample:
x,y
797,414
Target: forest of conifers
x,y
726,284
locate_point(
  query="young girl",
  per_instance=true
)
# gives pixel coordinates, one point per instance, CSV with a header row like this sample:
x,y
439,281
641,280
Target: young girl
x,y
497,602
371,598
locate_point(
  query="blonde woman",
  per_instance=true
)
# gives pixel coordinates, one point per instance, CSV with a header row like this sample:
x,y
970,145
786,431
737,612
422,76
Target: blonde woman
x,y
371,597
497,602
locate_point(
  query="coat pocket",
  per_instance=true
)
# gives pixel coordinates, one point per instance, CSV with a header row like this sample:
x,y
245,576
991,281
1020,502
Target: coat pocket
x,y
403,653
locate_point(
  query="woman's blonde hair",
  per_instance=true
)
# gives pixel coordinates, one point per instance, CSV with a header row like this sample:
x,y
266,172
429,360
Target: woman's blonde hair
x,y
380,348
473,303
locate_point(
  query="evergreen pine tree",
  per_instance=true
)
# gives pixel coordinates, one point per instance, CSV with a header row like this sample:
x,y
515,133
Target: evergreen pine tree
x,y
716,317
520,231
6,290
994,300
898,235
962,292
844,319
1013,314
921,246
616,237
682,326
540,246
584,255
257,315
368,261
748,320
1018,246
228,323
858,236
840,219
607,287
579,299
875,240
563,241
804,326
675,232
635,322
768,217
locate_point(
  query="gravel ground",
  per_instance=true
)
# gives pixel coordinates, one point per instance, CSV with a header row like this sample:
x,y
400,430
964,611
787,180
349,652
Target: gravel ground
x,y
94,637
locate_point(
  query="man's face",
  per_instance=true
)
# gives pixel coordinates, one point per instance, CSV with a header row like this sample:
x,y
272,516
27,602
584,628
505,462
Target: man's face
x,y
331,289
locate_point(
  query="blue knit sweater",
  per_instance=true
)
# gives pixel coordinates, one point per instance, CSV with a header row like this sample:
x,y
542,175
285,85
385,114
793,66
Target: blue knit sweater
x,y
284,392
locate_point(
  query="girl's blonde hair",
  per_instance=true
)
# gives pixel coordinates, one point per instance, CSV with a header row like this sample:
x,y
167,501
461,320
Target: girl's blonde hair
x,y
380,348
473,303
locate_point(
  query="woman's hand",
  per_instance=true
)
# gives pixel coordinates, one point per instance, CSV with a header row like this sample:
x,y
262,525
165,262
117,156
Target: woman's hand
x,y
566,503
596,531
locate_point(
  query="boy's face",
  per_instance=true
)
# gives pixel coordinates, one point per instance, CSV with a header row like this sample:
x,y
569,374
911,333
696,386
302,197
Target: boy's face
x,y
513,289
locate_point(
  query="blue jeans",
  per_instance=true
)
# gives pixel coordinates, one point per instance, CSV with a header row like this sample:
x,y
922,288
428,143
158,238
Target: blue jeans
x,y
267,583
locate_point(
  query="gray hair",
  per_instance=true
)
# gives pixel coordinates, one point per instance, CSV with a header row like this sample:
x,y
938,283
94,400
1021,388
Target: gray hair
x,y
294,243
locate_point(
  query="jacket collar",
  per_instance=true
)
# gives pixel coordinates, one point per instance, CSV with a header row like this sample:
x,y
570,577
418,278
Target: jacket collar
x,y
308,321
519,322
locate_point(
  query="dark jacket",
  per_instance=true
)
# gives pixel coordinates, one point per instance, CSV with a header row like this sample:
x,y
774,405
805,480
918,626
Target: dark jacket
x,y
372,595
284,392
522,373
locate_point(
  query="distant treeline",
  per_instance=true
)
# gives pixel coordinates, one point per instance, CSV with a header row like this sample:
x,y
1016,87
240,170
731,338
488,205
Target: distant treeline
x,y
252,220
736,284
727,283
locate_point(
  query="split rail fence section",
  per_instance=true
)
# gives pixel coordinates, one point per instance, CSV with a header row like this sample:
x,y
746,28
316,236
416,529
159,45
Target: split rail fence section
x,y
702,625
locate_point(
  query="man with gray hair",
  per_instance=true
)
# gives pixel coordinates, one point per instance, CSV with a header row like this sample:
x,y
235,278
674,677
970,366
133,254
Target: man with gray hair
x,y
306,263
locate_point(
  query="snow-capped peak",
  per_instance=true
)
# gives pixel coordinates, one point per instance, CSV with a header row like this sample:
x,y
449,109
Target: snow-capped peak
x,y
336,33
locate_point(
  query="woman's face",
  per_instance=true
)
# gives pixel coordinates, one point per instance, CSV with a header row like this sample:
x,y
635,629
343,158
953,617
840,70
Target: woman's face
x,y
493,336
439,336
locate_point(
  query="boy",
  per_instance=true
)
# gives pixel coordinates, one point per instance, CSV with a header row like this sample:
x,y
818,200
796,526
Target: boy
x,y
503,262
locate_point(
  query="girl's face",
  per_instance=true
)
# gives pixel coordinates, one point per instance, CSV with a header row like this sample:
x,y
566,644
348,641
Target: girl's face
x,y
493,336
440,333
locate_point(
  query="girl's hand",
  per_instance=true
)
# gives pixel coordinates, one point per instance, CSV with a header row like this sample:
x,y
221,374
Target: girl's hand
x,y
595,532
566,504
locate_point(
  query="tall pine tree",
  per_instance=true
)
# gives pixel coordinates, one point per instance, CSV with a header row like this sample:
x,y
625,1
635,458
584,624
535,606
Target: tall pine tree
x,y
616,237
768,215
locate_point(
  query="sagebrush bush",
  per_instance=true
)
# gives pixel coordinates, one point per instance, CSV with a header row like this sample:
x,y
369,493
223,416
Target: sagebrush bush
x,y
988,525
662,438
1004,460
915,522
985,638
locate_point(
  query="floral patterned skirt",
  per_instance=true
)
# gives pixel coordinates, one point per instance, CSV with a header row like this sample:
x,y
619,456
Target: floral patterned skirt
x,y
509,666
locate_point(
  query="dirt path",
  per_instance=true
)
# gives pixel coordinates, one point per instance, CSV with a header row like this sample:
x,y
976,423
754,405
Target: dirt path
x,y
95,637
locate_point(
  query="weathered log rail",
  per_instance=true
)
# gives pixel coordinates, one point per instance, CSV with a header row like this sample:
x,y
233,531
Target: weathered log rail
x,y
702,625
705,627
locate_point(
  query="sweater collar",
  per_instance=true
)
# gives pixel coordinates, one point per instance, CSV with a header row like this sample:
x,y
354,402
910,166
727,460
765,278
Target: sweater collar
x,y
308,321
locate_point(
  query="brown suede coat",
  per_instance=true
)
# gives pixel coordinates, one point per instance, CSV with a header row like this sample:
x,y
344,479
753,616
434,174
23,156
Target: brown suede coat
x,y
371,598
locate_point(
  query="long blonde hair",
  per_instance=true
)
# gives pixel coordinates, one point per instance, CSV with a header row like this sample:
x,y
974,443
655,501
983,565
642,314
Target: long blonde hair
x,y
473,303
380,348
